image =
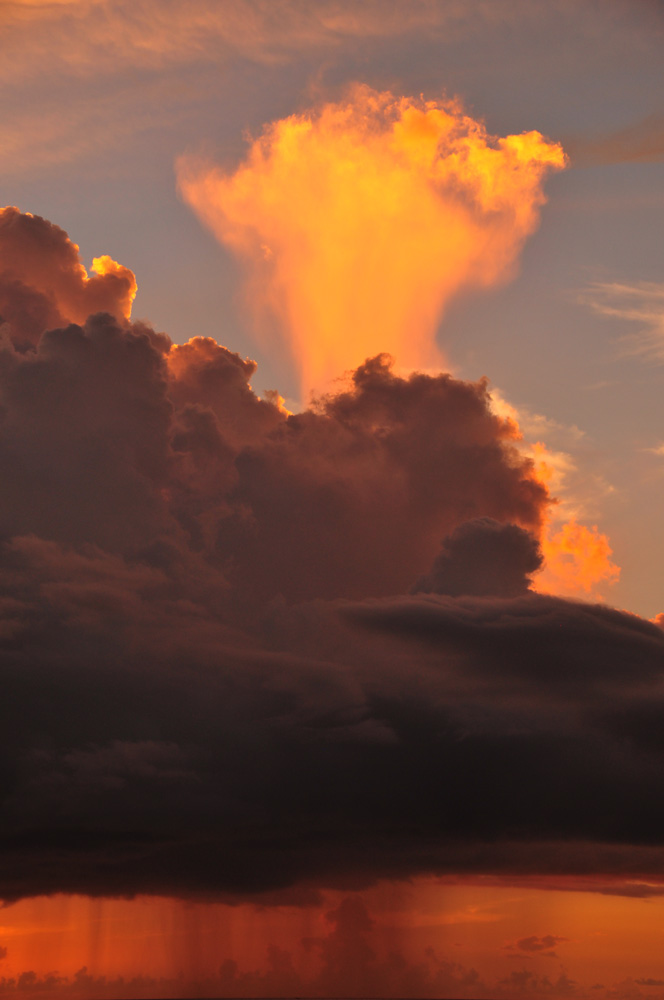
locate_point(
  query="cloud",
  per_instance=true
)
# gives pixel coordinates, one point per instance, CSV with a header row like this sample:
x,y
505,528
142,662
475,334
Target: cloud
x,y
527,983
641,303
360,220
70,123
577,558
43,283
307,749
536,945
83,39
319,478
133,460
216,682
484,557
82,78
642,142
631,887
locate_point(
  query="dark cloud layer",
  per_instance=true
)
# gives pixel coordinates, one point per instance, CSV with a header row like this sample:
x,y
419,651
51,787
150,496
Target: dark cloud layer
x,y
215,677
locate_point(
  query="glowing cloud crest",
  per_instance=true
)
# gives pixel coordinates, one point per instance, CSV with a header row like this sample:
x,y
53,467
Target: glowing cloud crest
x,y
578,559
359,221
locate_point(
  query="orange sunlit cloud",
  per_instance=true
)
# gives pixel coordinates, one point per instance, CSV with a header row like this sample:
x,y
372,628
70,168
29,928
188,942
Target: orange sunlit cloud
x,y
577,558
43,282
359,221
125,281
86,37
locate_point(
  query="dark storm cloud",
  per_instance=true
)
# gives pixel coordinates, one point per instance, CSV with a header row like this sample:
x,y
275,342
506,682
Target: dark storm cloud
x,y
534,639
353,496
210,684
147,747
536,945
110,436
484,557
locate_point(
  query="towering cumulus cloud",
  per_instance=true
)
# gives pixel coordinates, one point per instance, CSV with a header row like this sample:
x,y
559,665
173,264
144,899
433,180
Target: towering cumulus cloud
x,y
360,220
243,650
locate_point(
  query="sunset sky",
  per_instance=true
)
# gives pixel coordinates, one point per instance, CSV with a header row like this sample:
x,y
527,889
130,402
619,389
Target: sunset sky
x,y
331,606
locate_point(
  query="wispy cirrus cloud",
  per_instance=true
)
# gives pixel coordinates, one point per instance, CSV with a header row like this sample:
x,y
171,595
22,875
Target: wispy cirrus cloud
x,y
640,142
641,303
106,35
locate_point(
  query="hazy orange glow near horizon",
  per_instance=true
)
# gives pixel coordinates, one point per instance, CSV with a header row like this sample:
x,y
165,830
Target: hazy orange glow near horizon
x,y
477,936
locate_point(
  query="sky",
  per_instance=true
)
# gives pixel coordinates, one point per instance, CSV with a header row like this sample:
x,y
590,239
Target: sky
x,y
331,617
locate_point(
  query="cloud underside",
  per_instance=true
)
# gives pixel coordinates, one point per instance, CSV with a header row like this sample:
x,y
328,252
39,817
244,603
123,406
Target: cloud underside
x,y
235,657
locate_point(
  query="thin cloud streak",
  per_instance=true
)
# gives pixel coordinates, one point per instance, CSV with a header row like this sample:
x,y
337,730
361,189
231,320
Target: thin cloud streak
x,y
107,35
641,303
642,142
70,128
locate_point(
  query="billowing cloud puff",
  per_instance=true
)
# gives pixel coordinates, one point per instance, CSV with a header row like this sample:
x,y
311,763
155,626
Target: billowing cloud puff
x,y
107,439
352,496
43,283
215,677
484,557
